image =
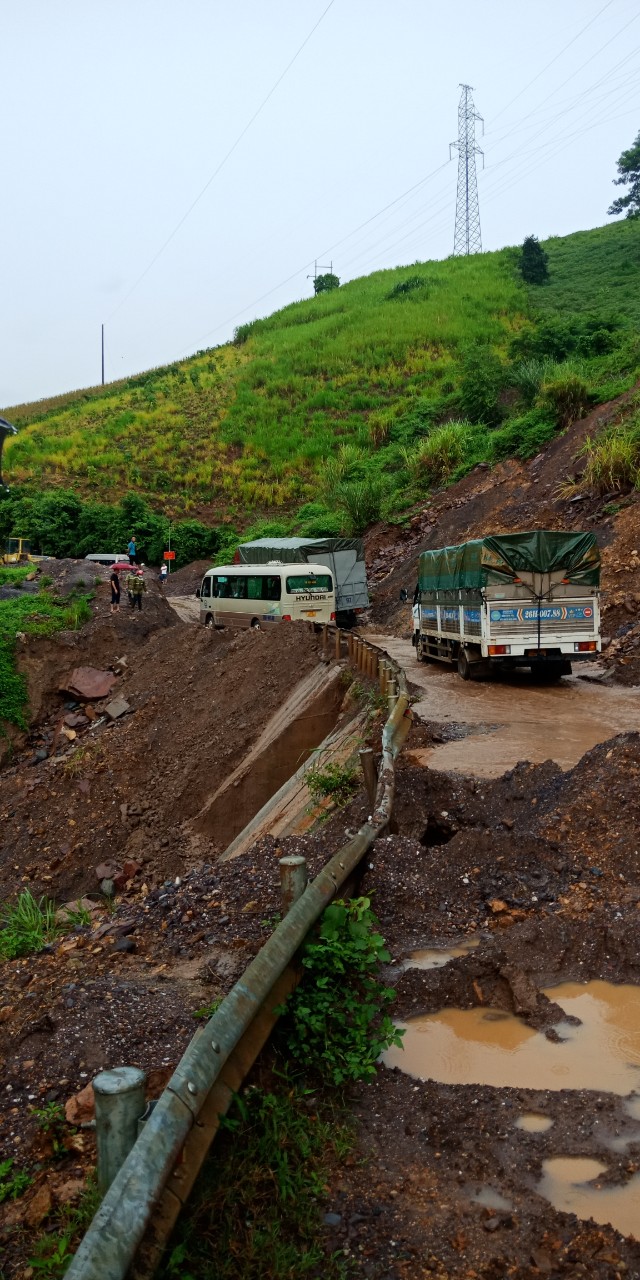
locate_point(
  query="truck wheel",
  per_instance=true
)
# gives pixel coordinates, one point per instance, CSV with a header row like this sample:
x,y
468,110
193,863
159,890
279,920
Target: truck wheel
x,y
464,666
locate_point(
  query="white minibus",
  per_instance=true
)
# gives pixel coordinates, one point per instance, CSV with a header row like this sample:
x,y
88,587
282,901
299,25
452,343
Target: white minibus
x,y
256,595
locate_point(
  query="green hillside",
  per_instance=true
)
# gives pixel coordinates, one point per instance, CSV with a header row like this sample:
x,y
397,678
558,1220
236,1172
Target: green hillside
x,y
341,408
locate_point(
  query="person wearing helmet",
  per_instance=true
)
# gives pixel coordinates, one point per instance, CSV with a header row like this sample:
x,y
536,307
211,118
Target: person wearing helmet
x,y
136,585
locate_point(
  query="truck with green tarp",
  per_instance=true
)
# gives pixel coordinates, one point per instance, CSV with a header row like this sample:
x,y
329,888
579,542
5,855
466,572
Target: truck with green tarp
x,y
510,600
344,556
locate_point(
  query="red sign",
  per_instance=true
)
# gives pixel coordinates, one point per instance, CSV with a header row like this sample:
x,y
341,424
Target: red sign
x,y
169,555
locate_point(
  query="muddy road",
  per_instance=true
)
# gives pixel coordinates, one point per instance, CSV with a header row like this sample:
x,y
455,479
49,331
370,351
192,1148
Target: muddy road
x,y
495,723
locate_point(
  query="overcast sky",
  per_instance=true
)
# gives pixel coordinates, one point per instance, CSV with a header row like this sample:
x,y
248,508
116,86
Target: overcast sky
x,y
116,113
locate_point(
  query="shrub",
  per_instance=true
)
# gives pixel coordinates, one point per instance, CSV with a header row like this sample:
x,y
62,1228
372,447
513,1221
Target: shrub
x,y
242,332
360,501
560,336
613,460
336,1021
522,437
434,459
534,262
565,398
406,287
482,380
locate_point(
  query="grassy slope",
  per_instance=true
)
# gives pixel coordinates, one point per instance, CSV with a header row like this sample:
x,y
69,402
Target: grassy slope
x,y
247,428
241,431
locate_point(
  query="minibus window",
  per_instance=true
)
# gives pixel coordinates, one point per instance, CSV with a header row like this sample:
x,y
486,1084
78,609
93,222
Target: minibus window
x,y
254,588
271,587
307,582
238,588
206,587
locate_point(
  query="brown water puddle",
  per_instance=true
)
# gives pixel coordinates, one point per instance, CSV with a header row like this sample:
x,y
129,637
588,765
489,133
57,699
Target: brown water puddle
x,y
569,1185
531,1122
484,1046
437,957
514,719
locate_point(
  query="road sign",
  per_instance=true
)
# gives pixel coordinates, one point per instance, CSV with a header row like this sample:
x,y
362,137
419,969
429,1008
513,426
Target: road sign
x,y
169,555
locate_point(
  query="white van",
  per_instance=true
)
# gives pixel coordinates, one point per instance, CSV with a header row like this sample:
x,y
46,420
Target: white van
x,y
256,595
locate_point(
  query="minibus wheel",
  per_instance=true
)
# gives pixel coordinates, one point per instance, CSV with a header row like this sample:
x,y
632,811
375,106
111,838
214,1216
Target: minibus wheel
x,y
255,624
208,622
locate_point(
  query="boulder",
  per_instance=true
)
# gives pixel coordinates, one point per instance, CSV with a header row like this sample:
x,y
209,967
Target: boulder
x,y
88,683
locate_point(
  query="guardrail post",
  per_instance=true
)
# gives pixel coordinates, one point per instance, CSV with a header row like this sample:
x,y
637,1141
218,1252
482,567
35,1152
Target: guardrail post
x,y
293,879
119,1096
383,668
369,771
392,693
338,644
325,640
350,644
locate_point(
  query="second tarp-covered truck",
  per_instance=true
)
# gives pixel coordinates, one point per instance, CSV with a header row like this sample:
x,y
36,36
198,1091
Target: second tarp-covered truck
x,y
343,556
511,600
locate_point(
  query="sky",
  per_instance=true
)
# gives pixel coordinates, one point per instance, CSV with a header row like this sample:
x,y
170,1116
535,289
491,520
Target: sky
x,y
118,115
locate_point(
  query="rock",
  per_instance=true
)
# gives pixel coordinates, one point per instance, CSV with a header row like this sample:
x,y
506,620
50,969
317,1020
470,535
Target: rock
x,y
497,905
70,734
5,1012
77,904
88,683
131,869
117,708
75,720
125,944
107,887
106,870
80,1109
332,1219
39,1206
491,1224
119,666
508,823
40,755
72,1189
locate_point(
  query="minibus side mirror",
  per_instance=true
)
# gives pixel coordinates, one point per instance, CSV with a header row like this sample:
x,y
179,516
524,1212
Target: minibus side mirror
x,y
197,593
403,595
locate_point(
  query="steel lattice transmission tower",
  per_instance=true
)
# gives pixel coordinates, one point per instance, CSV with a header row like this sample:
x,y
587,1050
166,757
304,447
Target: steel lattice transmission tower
x,y
467,237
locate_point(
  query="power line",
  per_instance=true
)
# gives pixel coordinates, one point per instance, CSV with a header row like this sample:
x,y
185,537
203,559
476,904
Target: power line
x,y
554,59
222,163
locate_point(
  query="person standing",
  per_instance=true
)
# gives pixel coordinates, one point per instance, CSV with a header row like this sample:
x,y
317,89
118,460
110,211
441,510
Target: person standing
x,y
163,576
131,577
137,587
115,591
133,550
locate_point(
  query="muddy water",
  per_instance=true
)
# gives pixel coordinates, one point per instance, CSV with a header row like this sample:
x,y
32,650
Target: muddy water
x,y
437,957
569,1185
511,718
531,1122
484,1046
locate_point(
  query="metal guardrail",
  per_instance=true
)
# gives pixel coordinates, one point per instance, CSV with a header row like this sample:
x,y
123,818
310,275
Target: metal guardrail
x,y
130,1229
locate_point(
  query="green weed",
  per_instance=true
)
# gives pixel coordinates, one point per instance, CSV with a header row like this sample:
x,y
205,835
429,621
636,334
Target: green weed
x,y
255,1210
27,926
13,1185
339,782
54,1251
335,1023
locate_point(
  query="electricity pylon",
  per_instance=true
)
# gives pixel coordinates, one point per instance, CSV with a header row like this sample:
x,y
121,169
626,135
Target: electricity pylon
x,y
467,237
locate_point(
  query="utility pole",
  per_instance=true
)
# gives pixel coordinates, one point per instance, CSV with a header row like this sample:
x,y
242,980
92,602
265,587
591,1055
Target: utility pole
x,y
467,237
103,355
317,268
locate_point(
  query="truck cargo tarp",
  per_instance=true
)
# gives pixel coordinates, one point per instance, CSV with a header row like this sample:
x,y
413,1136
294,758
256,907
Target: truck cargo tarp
x,y
292,550
504,556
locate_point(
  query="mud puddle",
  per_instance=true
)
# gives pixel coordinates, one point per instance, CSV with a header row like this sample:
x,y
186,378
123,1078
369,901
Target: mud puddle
x,y
438,957
575,1185
485,1046
532,1122
511,718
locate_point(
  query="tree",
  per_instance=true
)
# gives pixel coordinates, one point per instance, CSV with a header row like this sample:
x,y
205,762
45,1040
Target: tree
x,y
534,263
325,283
629,170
